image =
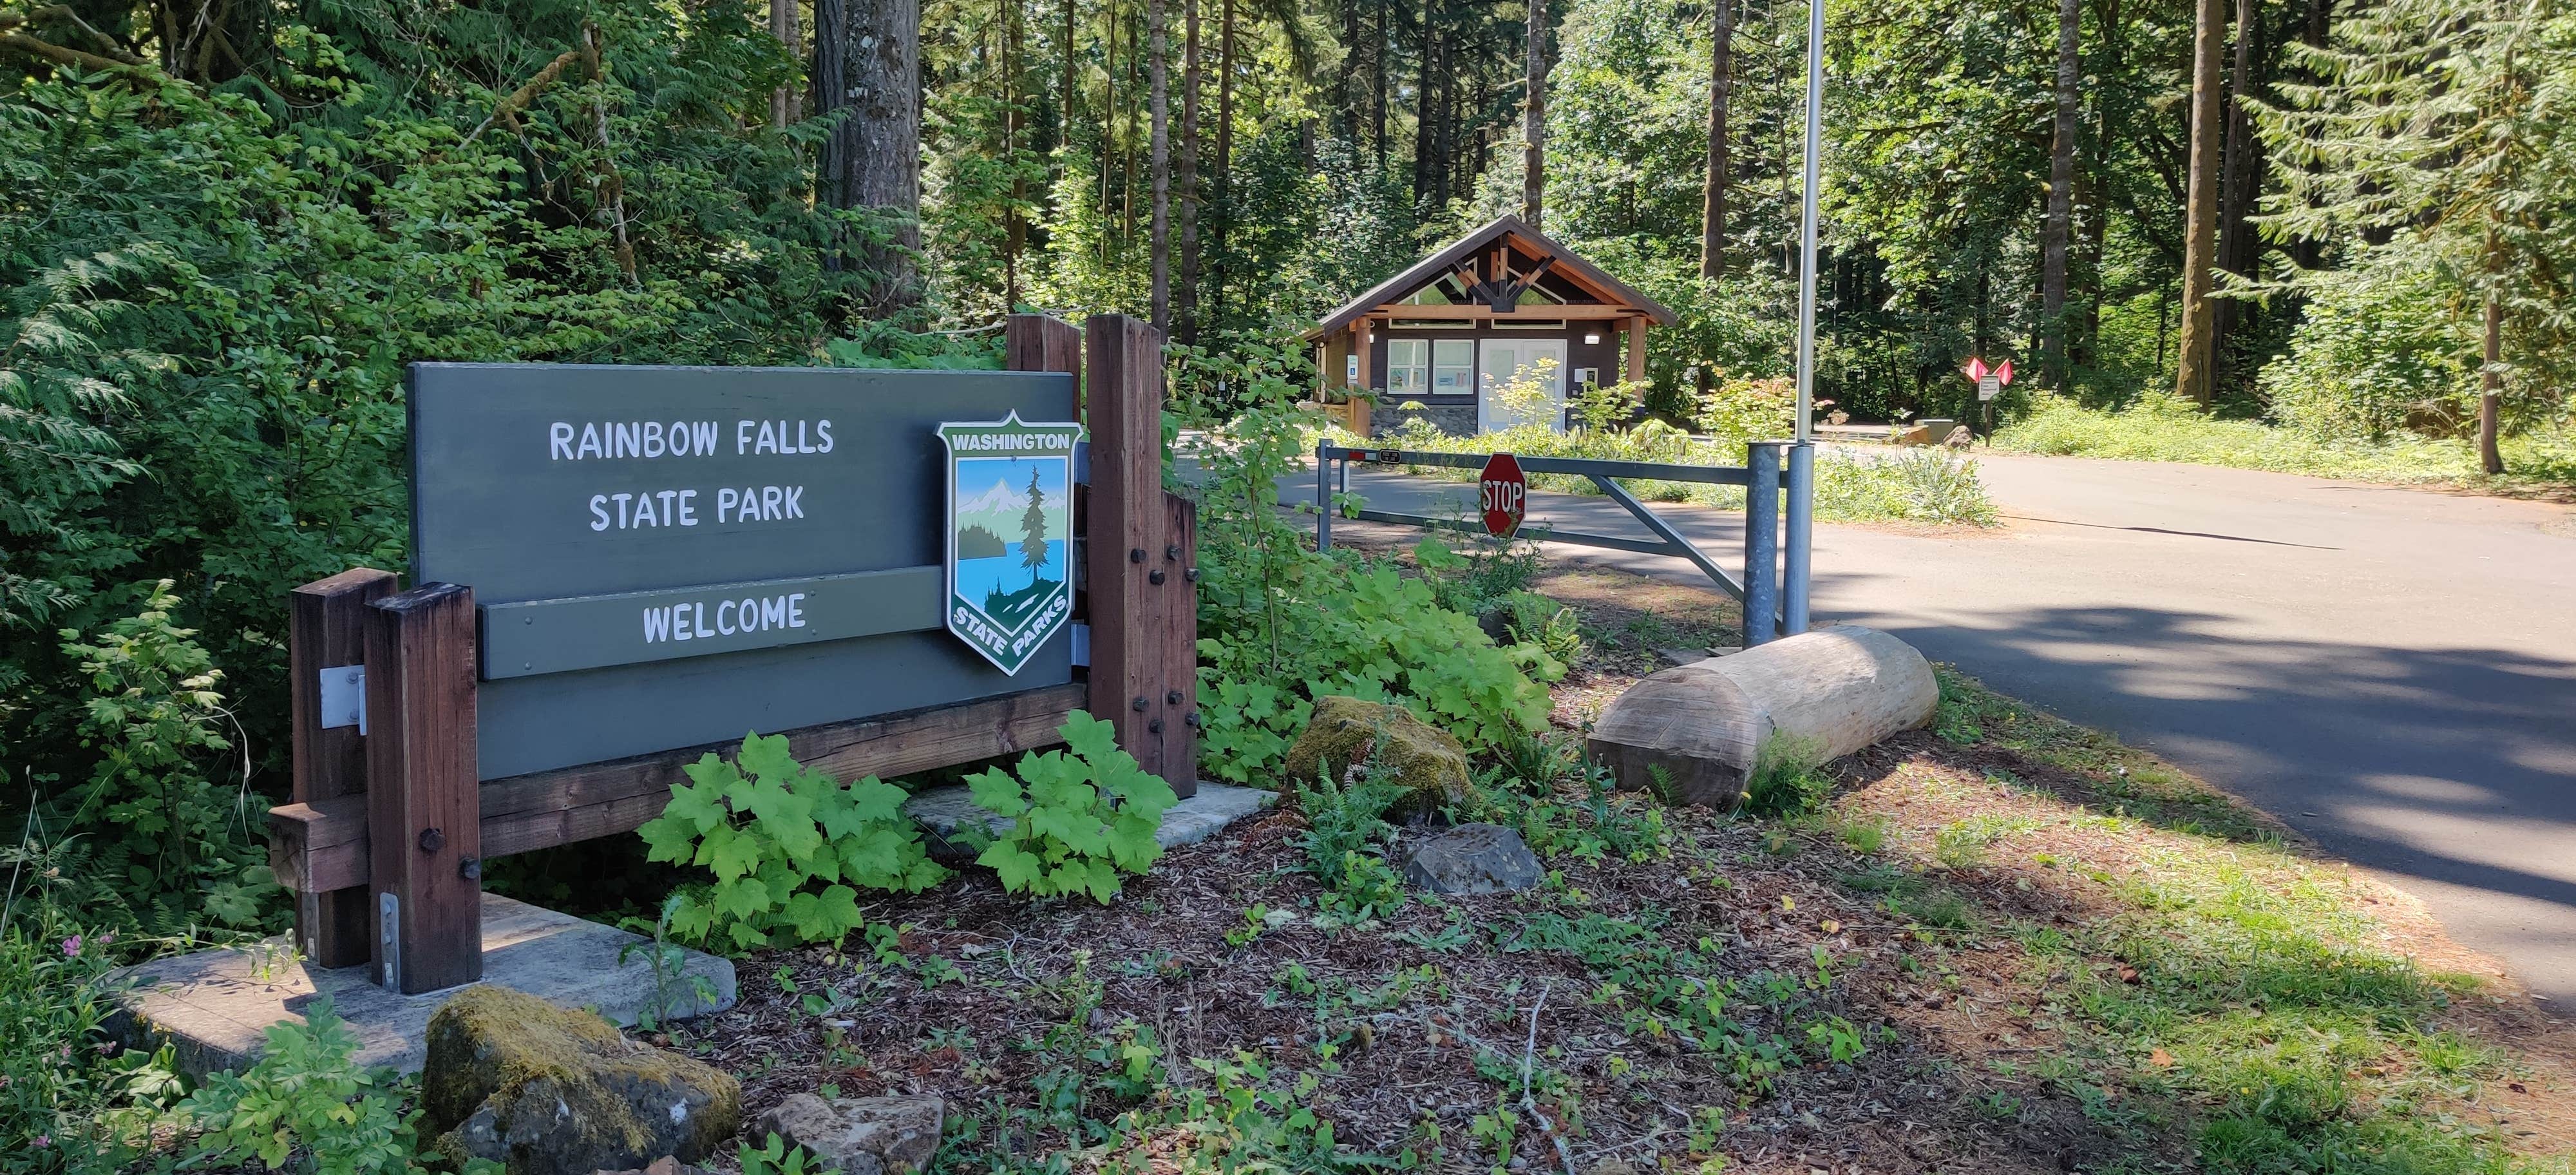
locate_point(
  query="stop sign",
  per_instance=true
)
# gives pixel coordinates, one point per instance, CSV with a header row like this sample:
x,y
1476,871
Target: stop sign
x,y
1502,494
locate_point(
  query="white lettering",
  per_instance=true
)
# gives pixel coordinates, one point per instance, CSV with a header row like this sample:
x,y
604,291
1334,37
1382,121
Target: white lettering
x,y
653,438
698,617
703,434
657,625
773,612
724,617
559,441
741,437
795,609
623,441
590,442
768,442
793,501
624,519
688,508
823,429
599,511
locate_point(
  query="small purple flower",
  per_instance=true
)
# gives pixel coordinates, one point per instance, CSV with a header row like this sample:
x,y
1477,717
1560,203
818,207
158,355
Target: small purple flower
x,y
44,1140
72,947
107,938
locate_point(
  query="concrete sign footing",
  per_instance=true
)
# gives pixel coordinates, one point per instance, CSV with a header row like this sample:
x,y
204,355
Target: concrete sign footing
x,y
215,1006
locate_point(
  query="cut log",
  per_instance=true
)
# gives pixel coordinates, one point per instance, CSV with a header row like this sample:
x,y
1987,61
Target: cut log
x,y
1702,727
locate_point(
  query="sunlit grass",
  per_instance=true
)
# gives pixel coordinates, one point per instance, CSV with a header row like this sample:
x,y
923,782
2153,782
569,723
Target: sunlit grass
x,y
2160,430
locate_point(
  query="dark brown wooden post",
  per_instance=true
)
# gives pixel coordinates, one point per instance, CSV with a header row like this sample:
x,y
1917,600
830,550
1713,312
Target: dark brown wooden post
x,y
1132,584
326,630
424,814
1039,342
1180,623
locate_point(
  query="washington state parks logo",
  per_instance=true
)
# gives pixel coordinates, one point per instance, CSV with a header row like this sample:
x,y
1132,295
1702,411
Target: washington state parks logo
x,y
1010,531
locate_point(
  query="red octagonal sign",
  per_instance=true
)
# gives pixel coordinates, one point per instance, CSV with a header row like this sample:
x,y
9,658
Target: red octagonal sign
x,y
1502,493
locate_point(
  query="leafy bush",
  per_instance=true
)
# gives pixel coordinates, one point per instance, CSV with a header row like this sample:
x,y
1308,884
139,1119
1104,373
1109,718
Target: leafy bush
x,y
788,846
207,296
1533,619
158,841
1741,409
1078,818
70,1101
306,1106
1343,819
1289,624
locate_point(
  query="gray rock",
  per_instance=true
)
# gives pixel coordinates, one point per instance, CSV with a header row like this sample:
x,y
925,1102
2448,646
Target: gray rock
x,y
859,1135
1472,858
545,1090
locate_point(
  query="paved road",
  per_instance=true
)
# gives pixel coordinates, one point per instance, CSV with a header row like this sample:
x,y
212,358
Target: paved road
x,y
2392,672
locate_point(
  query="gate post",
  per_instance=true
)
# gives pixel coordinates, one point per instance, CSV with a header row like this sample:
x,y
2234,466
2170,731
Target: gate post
x,y
424,809
326,631
1138,578
1761,542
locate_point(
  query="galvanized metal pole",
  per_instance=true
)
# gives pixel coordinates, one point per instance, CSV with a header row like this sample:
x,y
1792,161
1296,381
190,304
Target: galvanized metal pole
x,y
1761,542
1795,543
1323,497
1802,488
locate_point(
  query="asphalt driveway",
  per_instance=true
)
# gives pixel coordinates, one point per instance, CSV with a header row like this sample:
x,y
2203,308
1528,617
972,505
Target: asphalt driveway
x,y
2390,671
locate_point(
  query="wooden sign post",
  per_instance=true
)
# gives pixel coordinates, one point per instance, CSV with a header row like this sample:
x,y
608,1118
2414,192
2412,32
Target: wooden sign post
x,y
398,803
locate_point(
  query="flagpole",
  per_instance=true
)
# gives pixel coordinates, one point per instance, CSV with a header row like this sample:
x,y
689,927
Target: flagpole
x,y
1801,481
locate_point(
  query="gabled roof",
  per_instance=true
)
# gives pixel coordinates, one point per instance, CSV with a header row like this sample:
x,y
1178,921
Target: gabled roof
x,y
1450,256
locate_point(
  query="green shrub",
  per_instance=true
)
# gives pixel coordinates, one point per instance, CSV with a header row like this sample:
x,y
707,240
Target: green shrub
x,y
1787,780
159,843
70,1101
306,1106
1344,819
1533,619
1079,819
789,847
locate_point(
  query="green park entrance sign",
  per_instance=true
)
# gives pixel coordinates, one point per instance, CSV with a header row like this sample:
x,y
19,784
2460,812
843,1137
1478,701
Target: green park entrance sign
x,y
1010,535
667,556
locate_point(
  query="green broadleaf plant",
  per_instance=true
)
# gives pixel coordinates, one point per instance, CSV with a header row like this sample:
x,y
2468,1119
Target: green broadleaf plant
x,y
790,848
1078,819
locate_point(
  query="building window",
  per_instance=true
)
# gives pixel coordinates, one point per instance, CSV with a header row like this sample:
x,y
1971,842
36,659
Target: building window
x,y
1453,366
1408,365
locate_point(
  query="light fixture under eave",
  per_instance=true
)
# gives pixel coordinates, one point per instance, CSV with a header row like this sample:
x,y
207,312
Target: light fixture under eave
x,y
1592,340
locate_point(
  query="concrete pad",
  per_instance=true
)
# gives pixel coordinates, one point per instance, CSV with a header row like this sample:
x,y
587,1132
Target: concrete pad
x,y
942,810
215,1007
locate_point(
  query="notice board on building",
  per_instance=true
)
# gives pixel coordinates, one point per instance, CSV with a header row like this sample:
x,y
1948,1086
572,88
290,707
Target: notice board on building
x,y
670,556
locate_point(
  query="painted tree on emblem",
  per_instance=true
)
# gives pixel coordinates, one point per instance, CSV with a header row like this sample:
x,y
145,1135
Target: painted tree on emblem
x,y
1033,540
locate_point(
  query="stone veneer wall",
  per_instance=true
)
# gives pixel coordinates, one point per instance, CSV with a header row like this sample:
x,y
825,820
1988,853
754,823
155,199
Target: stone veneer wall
x,y
1458,420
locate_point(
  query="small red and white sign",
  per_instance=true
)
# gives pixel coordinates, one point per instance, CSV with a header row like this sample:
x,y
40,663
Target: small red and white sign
x,y
1502,493
1990,381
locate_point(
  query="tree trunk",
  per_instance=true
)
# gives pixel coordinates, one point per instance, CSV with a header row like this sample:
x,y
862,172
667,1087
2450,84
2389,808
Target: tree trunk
x,y
1015,228
1377,70
1072,74
1161,149
873,158
2491,372
2240,173
1188,298
1347,87
2193,377
1224,145
1534,119
782,25
2061,198
1425,119
1721,92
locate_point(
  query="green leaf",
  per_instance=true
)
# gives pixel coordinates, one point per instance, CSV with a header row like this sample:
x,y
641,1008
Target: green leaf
x,y
1017,869
995,791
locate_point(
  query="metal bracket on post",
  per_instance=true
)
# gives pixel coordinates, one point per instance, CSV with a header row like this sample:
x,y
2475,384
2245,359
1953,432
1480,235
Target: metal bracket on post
x,y
344,697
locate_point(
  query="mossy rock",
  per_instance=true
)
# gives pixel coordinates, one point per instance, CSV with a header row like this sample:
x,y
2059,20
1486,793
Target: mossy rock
x,y
547,1090
1425,760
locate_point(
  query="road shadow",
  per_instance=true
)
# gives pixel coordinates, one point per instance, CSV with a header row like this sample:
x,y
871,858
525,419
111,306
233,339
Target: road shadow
x,y
2342,740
